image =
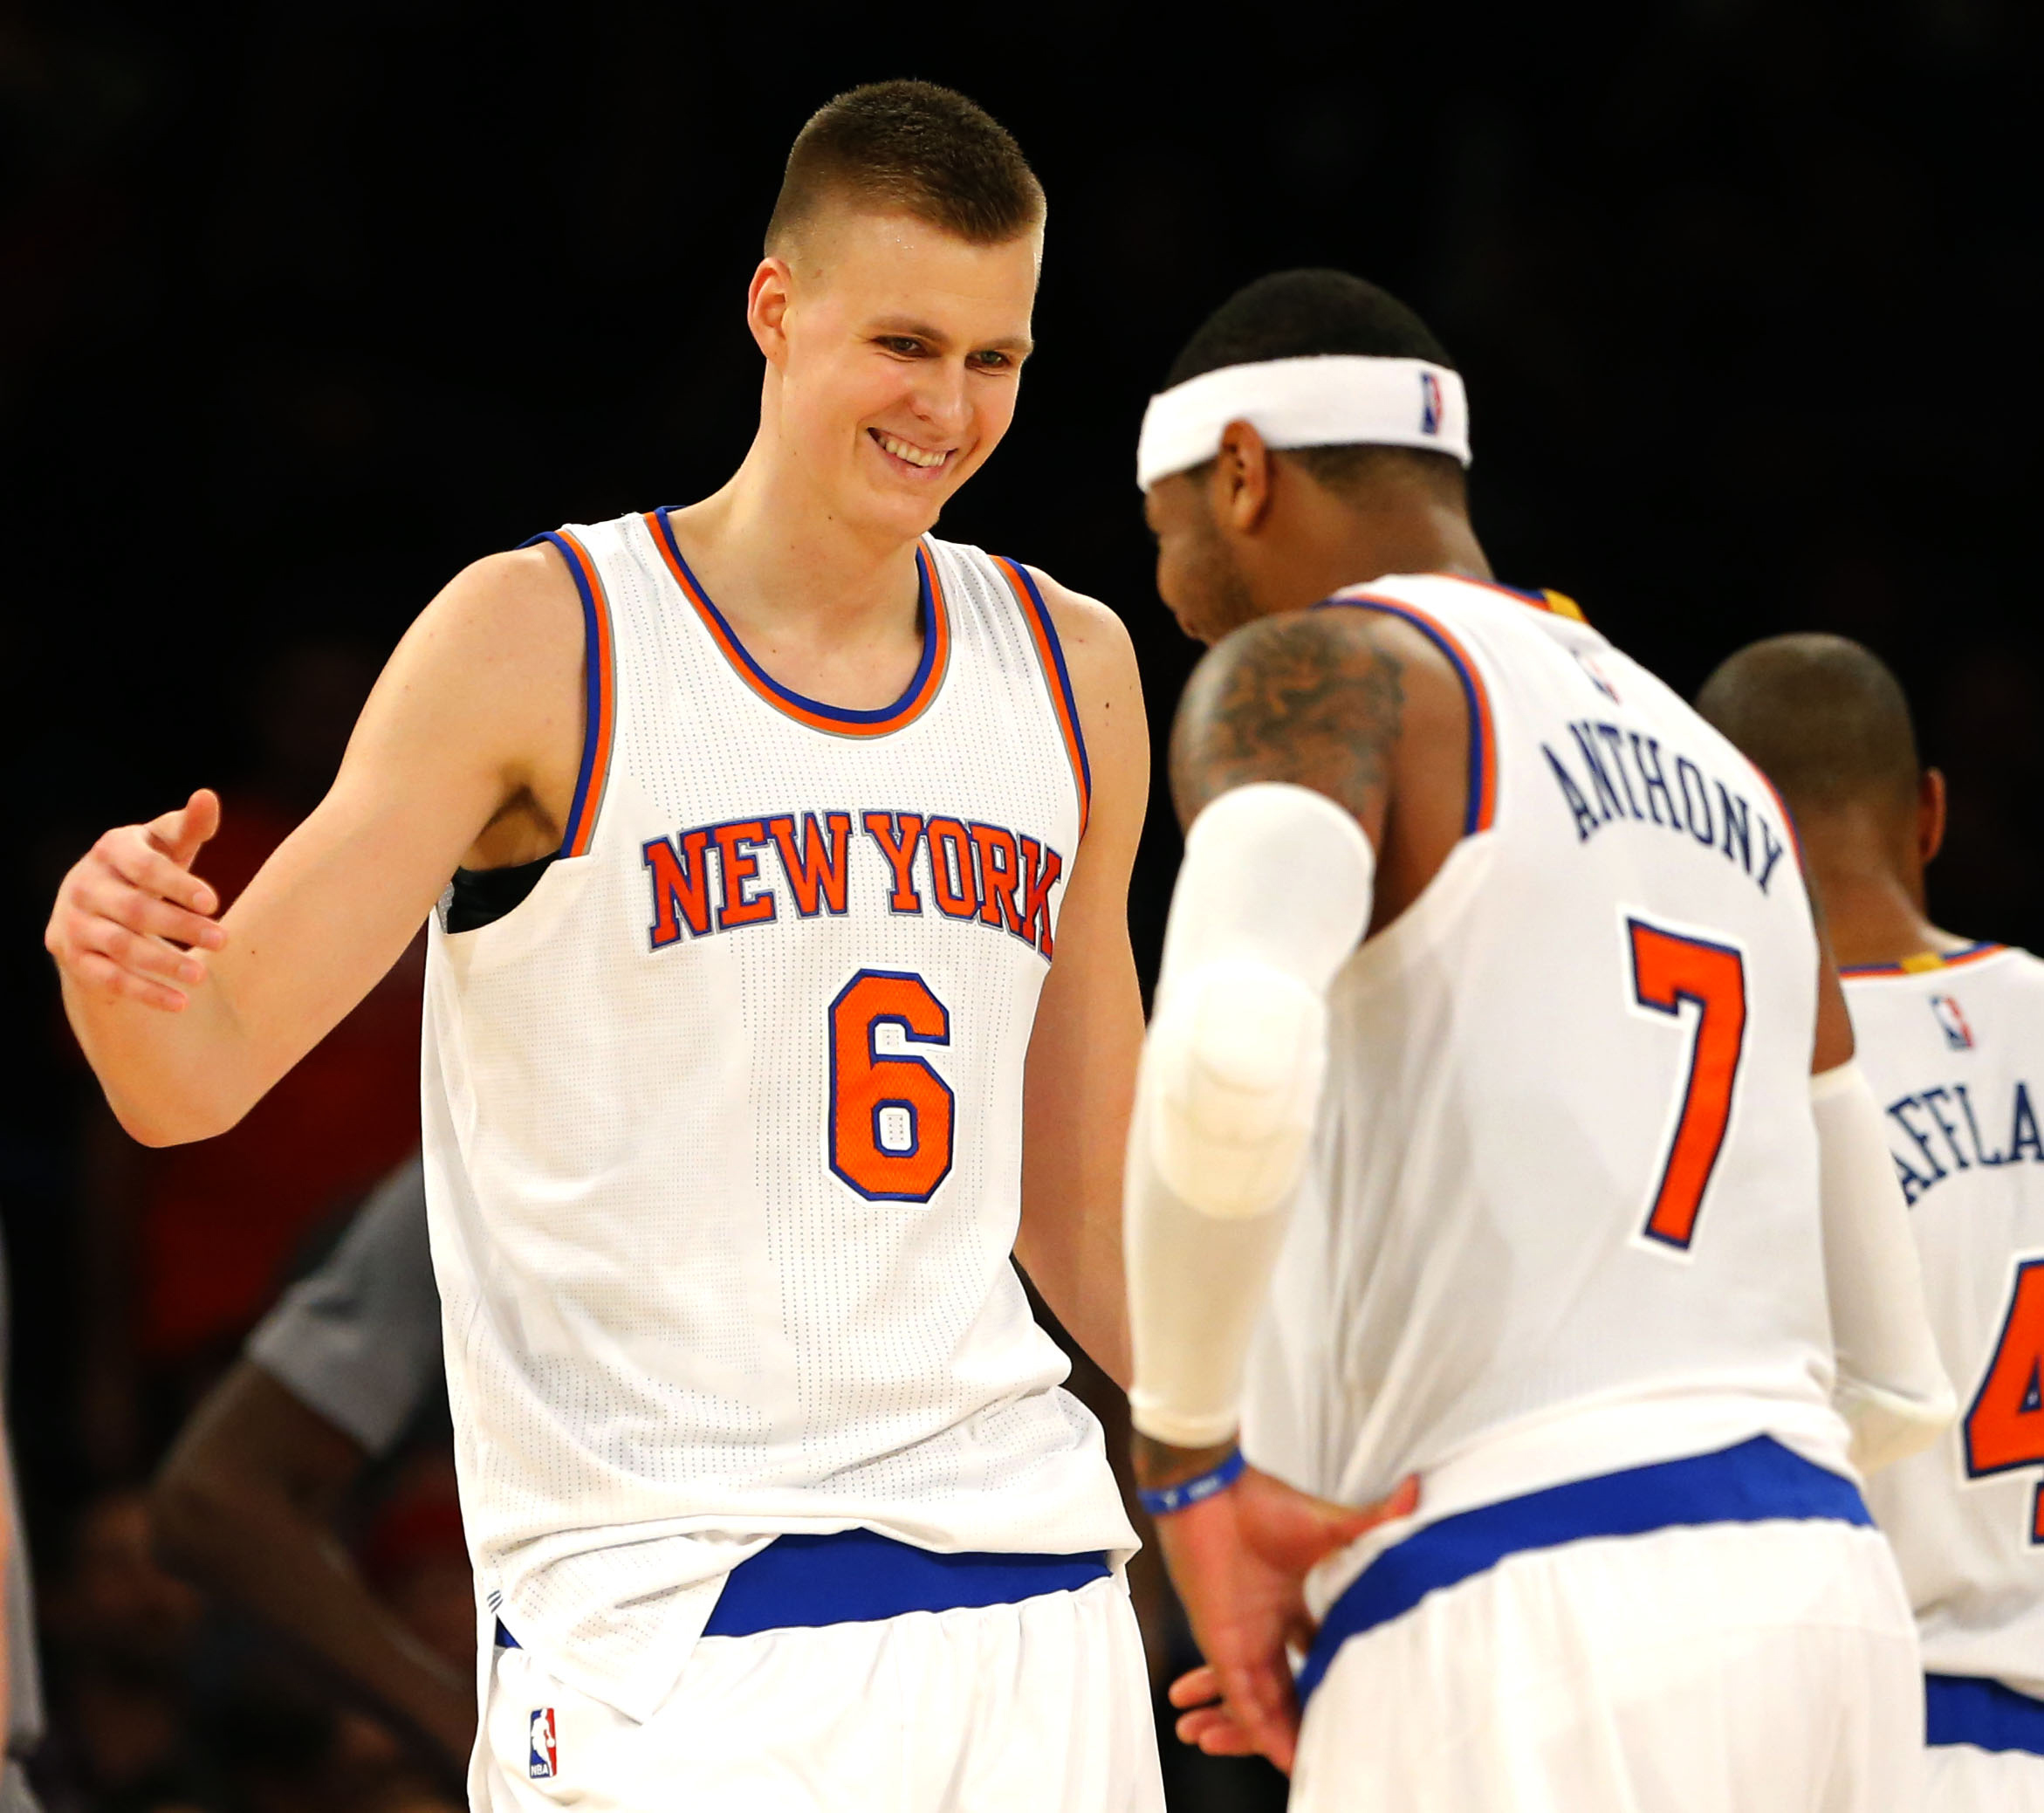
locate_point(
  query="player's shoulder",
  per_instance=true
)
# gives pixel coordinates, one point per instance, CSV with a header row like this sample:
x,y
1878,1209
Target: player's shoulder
x,y
1087,635
1087,629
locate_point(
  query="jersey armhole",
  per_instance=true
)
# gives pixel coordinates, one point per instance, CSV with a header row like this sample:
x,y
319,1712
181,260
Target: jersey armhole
x,y
1481,812
1050,653
600,708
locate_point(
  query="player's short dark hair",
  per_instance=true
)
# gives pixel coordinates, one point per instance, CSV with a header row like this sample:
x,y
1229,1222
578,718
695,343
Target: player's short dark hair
x,y
1822,717
1305,314
915,147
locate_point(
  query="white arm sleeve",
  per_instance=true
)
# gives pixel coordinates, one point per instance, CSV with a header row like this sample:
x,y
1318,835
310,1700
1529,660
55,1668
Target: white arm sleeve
x,y
1274,895
1891,1386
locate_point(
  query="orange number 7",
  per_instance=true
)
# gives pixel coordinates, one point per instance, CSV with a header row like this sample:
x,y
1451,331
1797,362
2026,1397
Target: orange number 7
x,y
1668,970
2004,1428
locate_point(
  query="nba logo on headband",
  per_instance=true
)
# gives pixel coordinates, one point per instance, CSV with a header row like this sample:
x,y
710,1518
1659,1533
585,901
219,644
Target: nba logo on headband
x,y
1430,404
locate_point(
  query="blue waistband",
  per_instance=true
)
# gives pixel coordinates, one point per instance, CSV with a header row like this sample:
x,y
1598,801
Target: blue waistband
x,y
1756,1480
1965,1709
858,1576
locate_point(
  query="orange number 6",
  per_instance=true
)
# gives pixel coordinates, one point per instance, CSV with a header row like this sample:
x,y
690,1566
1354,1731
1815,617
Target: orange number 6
x,y
1669,969
2004,1428
890,1114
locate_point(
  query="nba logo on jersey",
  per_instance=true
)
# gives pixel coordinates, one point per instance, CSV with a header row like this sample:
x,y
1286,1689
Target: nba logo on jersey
x,y
545,1759
1430,404
1587,662
1957,1034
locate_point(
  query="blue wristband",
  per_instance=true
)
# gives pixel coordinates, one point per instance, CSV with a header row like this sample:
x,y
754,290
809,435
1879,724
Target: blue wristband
x,y
1187,1493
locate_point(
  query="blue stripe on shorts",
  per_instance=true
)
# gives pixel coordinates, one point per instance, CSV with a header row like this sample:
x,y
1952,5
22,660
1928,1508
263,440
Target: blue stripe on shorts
x,y
1756,1481
1967,1709
859,1577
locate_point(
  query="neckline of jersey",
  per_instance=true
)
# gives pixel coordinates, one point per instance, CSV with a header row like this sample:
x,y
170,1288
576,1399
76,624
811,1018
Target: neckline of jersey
x,y
1926,963
1555,604
841,720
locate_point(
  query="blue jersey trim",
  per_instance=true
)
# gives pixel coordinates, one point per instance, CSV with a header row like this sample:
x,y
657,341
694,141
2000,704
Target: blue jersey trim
x,y
859,1575
1965,1709
1752,1483
1057,649
1482,806
842,714
592,638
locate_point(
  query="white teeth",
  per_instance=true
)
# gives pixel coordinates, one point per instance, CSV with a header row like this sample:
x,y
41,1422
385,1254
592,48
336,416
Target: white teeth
x,y
914,456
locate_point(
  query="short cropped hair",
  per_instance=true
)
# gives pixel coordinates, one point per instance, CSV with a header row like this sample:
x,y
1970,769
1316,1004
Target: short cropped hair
x,y
915,148
1304,314
1823,717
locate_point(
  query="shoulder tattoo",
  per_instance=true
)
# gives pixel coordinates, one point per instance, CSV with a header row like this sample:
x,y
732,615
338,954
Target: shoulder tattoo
x,y
1313,699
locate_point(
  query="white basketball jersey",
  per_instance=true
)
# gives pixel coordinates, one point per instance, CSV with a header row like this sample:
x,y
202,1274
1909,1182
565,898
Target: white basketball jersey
x,y
1561,1213
722,1124
1955,1051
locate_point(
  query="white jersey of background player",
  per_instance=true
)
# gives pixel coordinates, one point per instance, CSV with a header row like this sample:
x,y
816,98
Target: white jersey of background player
x,y
793,849
1576,1222
1951,1035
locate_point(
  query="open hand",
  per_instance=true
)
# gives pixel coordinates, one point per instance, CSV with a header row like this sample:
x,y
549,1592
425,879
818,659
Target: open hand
x,y
132,922
1239,1561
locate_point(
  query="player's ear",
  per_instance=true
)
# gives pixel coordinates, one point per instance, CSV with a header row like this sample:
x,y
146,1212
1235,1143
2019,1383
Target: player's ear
x,y
1930,815
767,307
1242,479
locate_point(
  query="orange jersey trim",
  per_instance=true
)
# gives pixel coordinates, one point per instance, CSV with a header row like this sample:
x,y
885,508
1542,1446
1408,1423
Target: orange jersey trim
x,y
600,708
834,720
1051,653
1481,811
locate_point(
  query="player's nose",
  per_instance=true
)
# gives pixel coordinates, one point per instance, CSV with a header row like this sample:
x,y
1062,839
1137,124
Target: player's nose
x,y
941,398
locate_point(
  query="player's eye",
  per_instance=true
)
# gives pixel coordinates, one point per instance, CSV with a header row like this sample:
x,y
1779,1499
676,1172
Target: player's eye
x,y
902,346
992,361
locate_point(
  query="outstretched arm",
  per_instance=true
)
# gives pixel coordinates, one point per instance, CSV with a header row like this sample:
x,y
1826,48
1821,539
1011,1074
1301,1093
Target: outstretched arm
x,y
476,723
1081,1067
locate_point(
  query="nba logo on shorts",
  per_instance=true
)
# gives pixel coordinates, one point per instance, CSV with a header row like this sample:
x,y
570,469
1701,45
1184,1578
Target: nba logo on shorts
x,y
546,1760
1957,1034
1430,404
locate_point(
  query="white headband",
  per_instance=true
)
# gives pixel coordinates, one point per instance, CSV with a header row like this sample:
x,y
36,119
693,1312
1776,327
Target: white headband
x,y
1335,400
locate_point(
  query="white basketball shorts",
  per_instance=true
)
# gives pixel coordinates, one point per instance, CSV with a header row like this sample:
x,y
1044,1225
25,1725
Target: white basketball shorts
x,y
1767,1665
1020,1707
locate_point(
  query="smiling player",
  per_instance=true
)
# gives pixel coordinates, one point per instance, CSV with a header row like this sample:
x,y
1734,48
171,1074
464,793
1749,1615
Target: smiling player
x,y
789,850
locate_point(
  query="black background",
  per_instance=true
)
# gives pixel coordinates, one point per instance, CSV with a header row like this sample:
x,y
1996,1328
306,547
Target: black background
x,y
303,307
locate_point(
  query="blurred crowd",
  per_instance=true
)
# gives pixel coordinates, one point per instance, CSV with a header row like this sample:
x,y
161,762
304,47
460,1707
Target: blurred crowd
x,y
302,308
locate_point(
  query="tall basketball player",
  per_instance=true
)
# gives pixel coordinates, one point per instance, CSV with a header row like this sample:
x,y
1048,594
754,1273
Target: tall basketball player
x,y
781,989
1591,1181
1950,1034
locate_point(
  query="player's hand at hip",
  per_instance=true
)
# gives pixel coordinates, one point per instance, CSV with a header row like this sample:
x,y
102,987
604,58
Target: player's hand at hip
x,y
1239,1561
132,922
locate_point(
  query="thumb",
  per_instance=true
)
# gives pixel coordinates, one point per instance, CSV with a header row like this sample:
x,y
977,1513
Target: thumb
x,y
182,833
1402,1501
1340,1525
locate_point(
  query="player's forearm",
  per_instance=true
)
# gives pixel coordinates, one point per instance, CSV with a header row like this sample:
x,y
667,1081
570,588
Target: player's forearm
x,y
169,1078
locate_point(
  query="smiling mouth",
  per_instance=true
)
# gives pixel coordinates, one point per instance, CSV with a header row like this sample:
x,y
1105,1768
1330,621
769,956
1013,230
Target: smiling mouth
x,y
911,455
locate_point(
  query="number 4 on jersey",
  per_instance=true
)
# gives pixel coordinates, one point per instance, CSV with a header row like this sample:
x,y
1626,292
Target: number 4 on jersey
x,y
1669,970
2004,1428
